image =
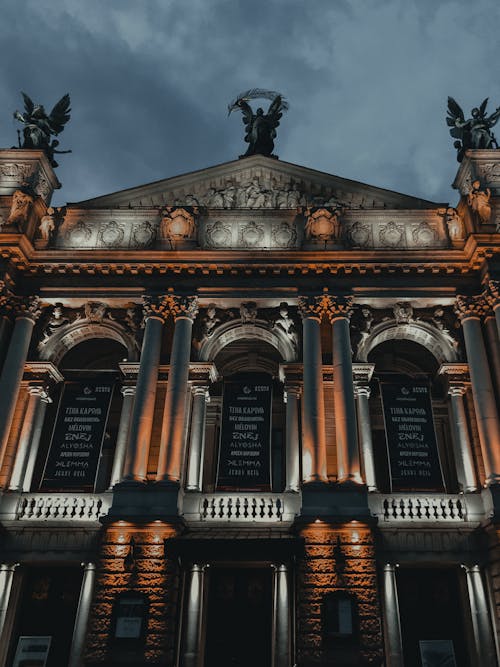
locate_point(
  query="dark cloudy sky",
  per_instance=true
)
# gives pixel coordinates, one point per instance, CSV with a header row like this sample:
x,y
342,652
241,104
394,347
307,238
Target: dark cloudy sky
x,y
150,81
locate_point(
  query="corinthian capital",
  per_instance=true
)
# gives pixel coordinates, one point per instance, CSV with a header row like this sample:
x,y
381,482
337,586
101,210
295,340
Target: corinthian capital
x,y
183,306
156,306
313,306
29,307
492,294
470,306
339,307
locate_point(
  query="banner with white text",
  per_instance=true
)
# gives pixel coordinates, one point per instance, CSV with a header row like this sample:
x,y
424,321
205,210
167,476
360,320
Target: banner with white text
x,y
78,435
411,438
244,452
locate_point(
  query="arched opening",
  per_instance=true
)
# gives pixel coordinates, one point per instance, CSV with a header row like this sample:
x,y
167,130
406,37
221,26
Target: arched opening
x,y
79,433
253,362
412,443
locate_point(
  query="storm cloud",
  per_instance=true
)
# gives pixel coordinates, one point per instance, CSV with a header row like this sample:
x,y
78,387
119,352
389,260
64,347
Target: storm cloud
x,y
150,81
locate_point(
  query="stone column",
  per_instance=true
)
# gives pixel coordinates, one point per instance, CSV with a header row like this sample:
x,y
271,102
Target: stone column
x,y
194,479
128,394
339,312
29,440
184,310
493,298
313,409
362,374
192,653
141,423
470,310
282,639
82,616
457,376
6,578
392,623
483,632
27,312
493,345
292,438
5,327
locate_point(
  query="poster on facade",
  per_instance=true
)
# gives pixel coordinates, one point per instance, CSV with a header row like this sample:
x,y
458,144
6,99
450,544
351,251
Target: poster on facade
x,y
32,652
411,438
437,653
78,435
245,451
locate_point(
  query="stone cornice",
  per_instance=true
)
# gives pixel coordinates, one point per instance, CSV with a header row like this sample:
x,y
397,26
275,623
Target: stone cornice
x,y
41,371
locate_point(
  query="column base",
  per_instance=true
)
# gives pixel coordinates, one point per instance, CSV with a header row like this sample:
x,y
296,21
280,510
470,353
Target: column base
x,y
148,502
345,501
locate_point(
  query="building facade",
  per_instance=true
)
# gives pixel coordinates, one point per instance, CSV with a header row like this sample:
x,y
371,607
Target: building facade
x,y
249,415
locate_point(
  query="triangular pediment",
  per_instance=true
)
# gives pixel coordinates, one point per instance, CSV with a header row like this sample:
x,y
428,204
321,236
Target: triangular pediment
x,y
257,182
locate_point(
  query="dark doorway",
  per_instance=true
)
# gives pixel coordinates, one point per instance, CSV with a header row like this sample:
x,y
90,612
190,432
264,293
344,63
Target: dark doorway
x,y
432,606
239,618
48,605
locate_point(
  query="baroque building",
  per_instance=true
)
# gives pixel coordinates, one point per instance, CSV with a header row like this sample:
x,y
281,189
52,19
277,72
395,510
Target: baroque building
x,y
249,415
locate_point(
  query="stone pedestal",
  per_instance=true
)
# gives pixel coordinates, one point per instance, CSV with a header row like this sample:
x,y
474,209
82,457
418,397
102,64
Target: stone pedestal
x,y
25,166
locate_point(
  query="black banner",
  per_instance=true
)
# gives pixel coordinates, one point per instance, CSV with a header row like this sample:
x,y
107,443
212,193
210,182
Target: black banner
x,y
244,453
411,439
78,435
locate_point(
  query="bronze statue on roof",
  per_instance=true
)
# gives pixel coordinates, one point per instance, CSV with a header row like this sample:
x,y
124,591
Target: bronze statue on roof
x,y
260,127
475,132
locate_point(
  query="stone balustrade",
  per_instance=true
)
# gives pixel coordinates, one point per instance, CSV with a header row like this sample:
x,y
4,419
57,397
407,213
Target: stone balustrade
x,y
241,507
425,507
63,506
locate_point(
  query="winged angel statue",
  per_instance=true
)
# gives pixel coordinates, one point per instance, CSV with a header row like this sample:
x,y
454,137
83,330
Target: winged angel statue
x,y
260,128
474,132
39,127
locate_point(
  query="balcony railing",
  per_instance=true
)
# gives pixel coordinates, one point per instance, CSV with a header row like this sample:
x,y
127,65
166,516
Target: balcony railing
x,y
241,507
65,507
419,507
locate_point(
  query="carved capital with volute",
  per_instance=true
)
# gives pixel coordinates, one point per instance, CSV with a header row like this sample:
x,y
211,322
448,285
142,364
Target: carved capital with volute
x,y
467,307
183,306
339,307
492,294
156,306
28,307
313,306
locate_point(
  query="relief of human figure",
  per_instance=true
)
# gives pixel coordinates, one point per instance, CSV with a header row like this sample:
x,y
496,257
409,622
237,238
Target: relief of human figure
x,y
456,228
47,225
479,202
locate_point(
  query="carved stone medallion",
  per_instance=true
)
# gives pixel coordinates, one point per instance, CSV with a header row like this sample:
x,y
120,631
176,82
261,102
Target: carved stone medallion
x,y
219,235
111,234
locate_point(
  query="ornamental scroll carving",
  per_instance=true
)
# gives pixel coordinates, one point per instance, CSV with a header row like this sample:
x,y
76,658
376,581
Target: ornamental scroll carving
x,y
177,224
470,306
322,225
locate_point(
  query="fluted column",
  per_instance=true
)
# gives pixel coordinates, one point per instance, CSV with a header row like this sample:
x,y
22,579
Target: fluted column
x,y
292,438
483,632
27,312
194,479
192,651
339,312
82,616
141,424
493,297
282,638
362,374
29,439
184,310
470,310
392,623
128,394
313,424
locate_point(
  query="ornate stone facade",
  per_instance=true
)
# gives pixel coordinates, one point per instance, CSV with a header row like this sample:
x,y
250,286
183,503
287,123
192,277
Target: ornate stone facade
x,y
198,439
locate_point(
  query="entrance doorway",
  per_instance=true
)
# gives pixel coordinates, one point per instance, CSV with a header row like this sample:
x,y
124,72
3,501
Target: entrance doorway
x,y
434,619
239,617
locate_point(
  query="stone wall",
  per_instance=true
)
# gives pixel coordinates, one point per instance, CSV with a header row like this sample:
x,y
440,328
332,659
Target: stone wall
x,y
153,575
338,558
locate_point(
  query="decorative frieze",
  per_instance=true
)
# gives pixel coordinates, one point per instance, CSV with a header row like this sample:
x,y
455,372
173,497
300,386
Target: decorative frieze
x,y
27,169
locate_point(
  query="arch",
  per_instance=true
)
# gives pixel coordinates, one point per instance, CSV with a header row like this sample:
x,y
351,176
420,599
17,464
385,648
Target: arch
x,y
234,331
70,335
439,343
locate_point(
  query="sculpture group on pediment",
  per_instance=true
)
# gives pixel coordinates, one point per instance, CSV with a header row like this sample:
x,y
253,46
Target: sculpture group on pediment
x,y
255,193
20,209
479,202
